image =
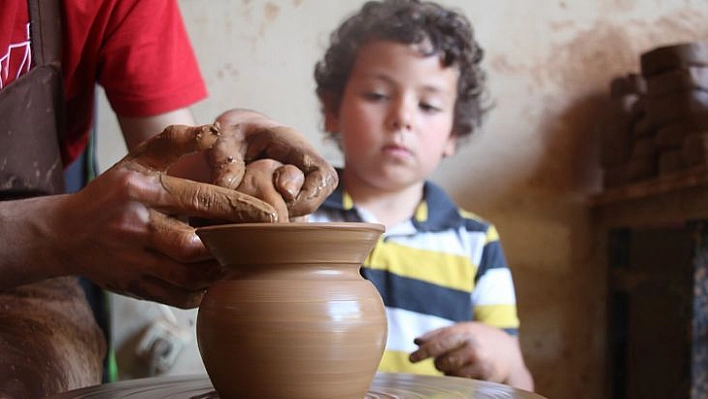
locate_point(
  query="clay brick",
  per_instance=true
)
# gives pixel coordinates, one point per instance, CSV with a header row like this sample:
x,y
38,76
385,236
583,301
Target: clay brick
x,y
689,78
626,85
615,148
677,56
668,108
673,135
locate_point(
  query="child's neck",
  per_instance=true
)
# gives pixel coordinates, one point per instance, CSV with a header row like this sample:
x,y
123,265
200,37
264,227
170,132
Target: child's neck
x,y
388,207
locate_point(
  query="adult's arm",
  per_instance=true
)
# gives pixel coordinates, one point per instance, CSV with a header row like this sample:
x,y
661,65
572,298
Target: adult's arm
x,y
120,231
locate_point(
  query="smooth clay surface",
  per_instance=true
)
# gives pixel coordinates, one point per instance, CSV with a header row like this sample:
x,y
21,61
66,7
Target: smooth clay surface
x,y
295,319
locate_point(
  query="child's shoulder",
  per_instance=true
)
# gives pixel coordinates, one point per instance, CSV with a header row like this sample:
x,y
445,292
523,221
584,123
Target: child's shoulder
x,y
474,222
440,203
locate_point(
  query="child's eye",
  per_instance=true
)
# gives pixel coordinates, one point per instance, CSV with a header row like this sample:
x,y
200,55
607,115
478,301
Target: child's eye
x,y
429,107
374,96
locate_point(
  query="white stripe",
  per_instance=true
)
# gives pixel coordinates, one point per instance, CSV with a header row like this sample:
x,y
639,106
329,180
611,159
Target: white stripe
x,y
404,326
454,242
476,242
496,287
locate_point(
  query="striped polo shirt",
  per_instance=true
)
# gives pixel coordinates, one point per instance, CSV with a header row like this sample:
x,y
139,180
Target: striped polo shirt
x,y
442,266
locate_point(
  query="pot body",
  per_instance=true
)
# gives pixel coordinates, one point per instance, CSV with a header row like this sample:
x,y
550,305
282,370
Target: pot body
x,y
292,331
301,326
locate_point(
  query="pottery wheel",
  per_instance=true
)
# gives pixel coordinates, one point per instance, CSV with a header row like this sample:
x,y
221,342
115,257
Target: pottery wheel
x,y
384,386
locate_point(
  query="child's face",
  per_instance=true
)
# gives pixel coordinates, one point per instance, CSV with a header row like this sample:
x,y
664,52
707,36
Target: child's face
x,y
396,116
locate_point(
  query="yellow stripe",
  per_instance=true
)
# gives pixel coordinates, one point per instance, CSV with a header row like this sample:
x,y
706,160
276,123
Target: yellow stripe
x,y
421,212
445,270
492,234
469,215
500,316
347,202
397,362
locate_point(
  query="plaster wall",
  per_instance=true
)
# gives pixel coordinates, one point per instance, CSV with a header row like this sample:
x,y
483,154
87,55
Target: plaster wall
x,y
549,65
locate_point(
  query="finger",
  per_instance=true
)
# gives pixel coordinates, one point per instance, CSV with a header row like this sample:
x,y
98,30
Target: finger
x,y
289,147
318,185
226,158
431,335
175,238
436,347
289,180
153,289
258,182
477,370
454,360
450,362
162,150
189,198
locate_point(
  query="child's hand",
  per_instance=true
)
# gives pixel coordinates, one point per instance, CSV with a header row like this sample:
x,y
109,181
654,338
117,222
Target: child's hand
x,y
471,349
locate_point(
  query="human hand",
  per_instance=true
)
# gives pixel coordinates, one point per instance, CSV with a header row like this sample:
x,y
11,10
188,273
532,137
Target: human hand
x,y
263,176
125,229
471,350
302,177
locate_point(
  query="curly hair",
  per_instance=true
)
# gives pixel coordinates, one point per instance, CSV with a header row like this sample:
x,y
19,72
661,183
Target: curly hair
x,y
437,30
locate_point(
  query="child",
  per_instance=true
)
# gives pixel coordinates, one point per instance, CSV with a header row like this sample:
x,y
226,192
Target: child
x,y
399,86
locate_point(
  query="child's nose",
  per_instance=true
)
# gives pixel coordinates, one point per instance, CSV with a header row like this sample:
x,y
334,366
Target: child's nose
x,y
401,116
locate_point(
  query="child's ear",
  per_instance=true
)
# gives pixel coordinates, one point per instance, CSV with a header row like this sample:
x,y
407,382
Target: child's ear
x,y
331,122
450,146
330,111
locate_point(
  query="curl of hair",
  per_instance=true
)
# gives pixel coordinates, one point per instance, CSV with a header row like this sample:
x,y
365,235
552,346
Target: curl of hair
x,y
438,31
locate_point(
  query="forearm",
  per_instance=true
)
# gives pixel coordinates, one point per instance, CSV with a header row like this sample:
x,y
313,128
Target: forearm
x,y
27,250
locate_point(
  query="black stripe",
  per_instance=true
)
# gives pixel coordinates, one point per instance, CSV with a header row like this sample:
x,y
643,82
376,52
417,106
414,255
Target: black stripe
x,y
492,258
421,297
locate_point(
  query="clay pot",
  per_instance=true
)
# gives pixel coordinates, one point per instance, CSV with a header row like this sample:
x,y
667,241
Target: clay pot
x,y
294,319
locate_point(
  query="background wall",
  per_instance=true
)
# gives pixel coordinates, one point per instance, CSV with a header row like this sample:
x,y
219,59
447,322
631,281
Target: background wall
x,y
528,171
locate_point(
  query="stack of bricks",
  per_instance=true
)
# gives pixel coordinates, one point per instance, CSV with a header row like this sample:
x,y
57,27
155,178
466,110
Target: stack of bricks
x,y
658,121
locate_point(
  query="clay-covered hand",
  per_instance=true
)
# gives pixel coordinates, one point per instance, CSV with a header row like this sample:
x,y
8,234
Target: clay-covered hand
x,y
263,176
249,136
475,350
125,230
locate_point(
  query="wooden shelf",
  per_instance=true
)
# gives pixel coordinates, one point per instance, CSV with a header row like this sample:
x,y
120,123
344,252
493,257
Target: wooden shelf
x,y
690,178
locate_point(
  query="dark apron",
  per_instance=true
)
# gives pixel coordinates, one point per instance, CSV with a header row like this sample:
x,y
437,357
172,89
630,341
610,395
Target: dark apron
x,y
49,340
32,109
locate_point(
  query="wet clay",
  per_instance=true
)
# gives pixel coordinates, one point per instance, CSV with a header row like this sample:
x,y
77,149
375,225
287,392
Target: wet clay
x,y
249,137
154,157
259,174
294,320
261,178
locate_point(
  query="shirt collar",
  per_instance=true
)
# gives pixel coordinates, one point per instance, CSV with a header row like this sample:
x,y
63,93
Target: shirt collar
x,y
437,211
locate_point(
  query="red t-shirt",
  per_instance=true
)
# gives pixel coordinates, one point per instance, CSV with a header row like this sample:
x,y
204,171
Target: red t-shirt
x,y
138,50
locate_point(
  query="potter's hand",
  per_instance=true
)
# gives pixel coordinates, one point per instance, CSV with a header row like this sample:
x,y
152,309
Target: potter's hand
x,y
475,350
249,136
124,231
263,176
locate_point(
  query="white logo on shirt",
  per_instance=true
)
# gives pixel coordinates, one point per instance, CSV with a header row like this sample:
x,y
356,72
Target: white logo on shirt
x,y
17,54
